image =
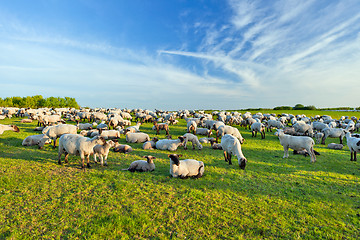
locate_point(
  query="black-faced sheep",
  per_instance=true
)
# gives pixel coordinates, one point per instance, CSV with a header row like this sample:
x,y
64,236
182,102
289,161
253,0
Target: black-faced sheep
x,y
354,145
4,128
142,166
122,148
185,168
150,145
231,146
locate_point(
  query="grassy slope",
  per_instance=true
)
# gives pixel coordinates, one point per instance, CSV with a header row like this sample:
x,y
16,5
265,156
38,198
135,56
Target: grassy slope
x,y
273,198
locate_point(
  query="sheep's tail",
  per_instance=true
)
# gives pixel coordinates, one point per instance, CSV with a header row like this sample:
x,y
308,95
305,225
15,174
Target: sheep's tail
x,y
199,175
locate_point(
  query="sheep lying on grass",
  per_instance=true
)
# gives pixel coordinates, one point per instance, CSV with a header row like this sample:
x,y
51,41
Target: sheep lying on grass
x,y
203,131
169,144
206,140
137,137
297,143
335,146
78,145
4,128
142,166
122,148
354,145
215,145
231,146
185,168
39,139
150,145
189,137
102,151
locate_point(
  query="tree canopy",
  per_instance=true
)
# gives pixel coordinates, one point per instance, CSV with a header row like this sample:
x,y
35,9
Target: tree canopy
x,y
38,101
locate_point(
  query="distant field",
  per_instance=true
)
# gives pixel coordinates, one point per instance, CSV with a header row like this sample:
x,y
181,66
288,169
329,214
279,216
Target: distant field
x,y
273,198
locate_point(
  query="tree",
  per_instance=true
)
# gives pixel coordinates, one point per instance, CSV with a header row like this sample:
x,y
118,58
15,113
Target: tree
x,y
298,107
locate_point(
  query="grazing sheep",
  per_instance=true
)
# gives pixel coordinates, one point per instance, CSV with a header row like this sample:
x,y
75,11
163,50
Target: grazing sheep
x,y
206,139
39,139
302,127
222,130
102,151
203,131
137,137
335,146
169,144
318,137
161,126
215,145
297,143
333,133
4,128
54,132
122,148
257,127
191,127
231,146
78,145
193,139
273,124
46,120
354,145
185,168
319,126
142,166
150,145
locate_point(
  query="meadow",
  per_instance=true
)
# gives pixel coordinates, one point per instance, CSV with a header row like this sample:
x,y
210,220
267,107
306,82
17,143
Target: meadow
x,y
272,198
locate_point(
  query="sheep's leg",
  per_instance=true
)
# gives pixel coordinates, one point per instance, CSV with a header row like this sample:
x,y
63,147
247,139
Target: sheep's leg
x,y
95,158
229,159
252,134
101,160
351,155
106,160
66,157
341,140
312,154
54,143
225,155
263,135
323,140
355,156
286,152
255,133
59,158
88,161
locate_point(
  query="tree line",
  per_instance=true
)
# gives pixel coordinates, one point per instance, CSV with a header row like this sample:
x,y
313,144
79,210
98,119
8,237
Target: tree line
x,y
38,102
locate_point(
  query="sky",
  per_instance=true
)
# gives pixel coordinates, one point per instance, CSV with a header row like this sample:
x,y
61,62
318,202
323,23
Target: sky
x,y
182,54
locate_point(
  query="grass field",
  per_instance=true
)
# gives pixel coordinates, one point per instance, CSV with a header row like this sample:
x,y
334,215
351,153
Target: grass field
x,y
273,198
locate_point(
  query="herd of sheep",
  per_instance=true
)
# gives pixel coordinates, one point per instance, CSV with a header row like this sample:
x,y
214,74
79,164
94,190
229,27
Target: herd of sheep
x,y
96,137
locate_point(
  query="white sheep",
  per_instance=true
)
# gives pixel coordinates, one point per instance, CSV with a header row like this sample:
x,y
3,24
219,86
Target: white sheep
x,y
170,144
302,127
333,133
137,137
185,168
107,134
78,145
206,139
297,143
354,145
257,127
39,139
102,151
142,166
191,126
122,148
203,131
189,137
318,137
231,146
150,145
84,126
225,129
4,128
134,129
54,132
335,146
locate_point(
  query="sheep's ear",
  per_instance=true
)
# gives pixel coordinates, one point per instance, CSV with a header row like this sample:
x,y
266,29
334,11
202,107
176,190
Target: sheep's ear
x,y
144,156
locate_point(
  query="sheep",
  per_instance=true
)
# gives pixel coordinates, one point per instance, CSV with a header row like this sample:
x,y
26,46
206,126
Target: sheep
x,y
57,131
335,146
161,126
150,145
102,151
191,127
319,126
185,168
257,127
206,139
297,143
78,145
134,129
26,120
137,137
84,126
222,130
333,133
215,145
203,131
122,148
4,128
107,134
193,139
354,145
39,139
38,128
302,127
169,144
231,146
318,137
142,166
46,120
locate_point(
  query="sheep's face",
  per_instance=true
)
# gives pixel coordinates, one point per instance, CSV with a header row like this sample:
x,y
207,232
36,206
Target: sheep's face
x,y
242,163
15,128
175,158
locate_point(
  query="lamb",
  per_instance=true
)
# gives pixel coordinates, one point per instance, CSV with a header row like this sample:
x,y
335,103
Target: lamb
x,y
191,127
78,145
333,133
39,139
54,132
335,146
222,130
297,143
134,129
206,139
122,148
215,145
137,137
150,145
185,168
102,151
4,128
161,126
142,166
257,127
302,127
231,146
203,131
354,145
193,139
169,144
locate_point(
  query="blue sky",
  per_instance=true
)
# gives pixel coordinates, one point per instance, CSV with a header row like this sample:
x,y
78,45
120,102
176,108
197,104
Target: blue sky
x,y
182,54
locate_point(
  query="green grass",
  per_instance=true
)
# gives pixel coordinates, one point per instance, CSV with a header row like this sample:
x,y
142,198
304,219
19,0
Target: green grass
x,y
273,198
